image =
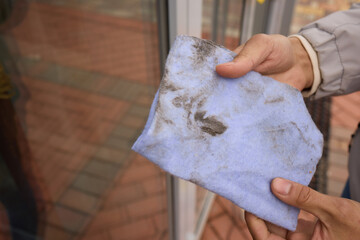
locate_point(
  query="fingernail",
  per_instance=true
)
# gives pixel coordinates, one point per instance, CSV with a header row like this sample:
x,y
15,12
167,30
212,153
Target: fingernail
x,y
281,186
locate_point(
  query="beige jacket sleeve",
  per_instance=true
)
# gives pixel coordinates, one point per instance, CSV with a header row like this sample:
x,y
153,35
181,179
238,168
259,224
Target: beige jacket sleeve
x,y
336,41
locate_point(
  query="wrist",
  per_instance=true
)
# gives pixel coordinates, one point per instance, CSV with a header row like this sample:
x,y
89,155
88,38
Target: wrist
x,y
303,64
312,85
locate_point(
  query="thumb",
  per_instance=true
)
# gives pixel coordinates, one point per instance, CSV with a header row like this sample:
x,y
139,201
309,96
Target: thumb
x,y
254,52
303,197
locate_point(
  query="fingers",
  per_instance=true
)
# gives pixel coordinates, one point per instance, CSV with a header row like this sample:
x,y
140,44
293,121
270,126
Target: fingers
x,y
253,53
303,197
274,229
257,227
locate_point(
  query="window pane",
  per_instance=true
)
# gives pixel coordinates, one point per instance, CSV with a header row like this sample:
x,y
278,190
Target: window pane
x,y
77,82
222,21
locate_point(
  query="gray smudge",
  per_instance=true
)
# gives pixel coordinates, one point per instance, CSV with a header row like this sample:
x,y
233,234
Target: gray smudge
x,y
178,101
275,100
203,49
210,125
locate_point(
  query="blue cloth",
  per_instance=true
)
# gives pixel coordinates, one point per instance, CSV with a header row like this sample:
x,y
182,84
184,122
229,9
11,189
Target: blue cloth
x,y
231,136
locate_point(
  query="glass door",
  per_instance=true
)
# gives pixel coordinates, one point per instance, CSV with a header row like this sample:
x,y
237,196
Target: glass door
x,y
76,82
229,23
221,22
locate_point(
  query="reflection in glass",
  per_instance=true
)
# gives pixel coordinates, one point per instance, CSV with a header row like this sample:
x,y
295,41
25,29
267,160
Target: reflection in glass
x,y
222,21
79,82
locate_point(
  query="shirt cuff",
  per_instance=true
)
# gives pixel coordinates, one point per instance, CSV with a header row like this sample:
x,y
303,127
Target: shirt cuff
x,y
315,66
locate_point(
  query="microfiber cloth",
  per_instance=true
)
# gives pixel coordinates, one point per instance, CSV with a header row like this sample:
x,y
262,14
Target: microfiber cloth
x,y
230,136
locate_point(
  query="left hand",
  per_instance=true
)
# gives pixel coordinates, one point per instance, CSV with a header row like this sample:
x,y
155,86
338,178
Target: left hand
x,y
284,59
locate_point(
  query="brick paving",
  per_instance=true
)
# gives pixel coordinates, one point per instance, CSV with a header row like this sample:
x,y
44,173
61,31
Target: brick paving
x,y
88,98
345,118
226,221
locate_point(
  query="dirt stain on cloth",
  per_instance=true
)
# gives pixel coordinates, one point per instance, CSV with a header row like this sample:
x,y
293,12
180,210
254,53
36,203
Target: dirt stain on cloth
x,y
210,125
203,50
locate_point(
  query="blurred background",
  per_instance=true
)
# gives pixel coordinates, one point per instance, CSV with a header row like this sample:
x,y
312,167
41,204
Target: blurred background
x,y
76,82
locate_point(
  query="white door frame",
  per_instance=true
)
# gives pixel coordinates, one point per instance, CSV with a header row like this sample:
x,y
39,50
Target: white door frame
x,y
185,17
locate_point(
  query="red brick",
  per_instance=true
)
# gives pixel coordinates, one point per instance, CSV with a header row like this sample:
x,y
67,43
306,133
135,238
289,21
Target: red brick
x,y
67,219
37,134
5,235
46,111
209,234
338,122
97,236
339,145
79,107
345,111
90,43
116,112
82,134
76,162
216,210
110,155
37,150
66,144
161,221
33,120
226,204
48,170
133,121
87,149
147,207
107,219
56,233
83,202
222,226
101,132
142,229
57,158
125,194
140,160
154,185
337,173
4,226
348,106
240,234
58,183
38,68
342,134
164,235
51,98
139,173
90,120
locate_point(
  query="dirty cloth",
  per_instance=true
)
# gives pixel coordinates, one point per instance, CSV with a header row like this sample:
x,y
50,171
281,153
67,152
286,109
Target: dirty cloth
x,y
230,136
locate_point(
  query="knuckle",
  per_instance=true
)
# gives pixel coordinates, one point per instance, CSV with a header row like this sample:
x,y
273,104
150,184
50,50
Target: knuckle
x,y
304,196
261,39
261,36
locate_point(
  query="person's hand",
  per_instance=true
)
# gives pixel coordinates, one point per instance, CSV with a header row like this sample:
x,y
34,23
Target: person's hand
x,y
276,56
321,216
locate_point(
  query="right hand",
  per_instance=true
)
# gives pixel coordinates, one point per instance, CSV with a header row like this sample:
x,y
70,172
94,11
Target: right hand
x,y
321,216
276,56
